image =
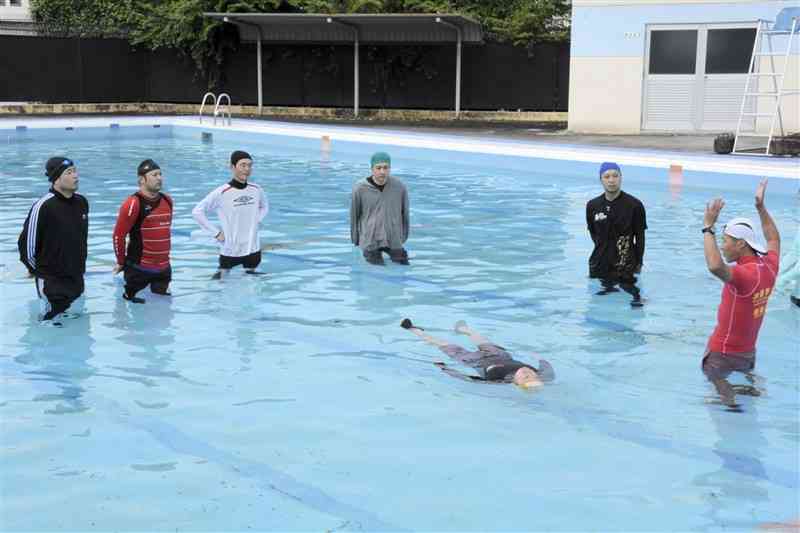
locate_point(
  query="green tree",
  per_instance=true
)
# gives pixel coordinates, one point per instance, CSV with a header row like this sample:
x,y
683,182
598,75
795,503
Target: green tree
x,y
180,24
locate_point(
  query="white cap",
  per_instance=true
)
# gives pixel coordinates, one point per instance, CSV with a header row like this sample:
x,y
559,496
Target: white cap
x,y
742,228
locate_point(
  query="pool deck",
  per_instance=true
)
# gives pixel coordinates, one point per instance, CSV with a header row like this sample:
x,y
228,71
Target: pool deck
x,y
690,152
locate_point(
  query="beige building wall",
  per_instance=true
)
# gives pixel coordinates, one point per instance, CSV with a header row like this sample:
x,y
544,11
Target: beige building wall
x,y
605,94
790,103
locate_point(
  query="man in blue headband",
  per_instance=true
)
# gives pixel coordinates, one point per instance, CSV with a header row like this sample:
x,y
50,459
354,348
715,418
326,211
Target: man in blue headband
x,y
53,242
379,213
616,222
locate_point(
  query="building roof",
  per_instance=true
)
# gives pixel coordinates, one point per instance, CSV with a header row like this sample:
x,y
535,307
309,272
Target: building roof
x,y
372,29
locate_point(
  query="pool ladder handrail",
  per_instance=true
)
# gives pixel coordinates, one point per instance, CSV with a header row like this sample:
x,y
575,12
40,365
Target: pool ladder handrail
x,y
219,107
203,103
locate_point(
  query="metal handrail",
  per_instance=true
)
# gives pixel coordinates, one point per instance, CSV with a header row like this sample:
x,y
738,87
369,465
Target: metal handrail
x,y
203,103
218,110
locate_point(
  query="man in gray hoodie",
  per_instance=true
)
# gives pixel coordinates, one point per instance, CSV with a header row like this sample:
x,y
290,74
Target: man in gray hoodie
x,y
379,214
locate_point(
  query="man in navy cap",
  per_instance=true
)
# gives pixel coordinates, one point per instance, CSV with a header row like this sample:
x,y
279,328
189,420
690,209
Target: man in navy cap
x,y
616,222
53,242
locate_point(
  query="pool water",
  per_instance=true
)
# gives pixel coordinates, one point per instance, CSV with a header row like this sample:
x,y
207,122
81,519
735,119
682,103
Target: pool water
x,y
294,401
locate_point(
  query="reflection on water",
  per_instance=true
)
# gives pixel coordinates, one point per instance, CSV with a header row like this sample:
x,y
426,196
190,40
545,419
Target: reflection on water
x,y
59,356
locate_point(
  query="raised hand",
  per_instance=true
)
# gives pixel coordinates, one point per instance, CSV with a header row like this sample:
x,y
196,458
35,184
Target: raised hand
x,y
760,190
713,209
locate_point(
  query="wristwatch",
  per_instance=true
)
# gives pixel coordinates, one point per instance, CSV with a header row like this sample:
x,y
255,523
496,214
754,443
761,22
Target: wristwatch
x,y
708,229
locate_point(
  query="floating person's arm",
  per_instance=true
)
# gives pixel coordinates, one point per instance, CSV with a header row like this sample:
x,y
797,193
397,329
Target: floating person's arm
x,y
710,248
200,212
355,215
461,375
771,234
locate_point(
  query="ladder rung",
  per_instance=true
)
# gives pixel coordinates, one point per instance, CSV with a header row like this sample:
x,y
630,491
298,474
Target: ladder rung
x,y
742,134
761,94
776,32
770,54
758,114
766,74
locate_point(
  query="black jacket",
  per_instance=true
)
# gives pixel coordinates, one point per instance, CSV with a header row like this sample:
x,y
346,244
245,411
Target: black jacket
x,y
53,241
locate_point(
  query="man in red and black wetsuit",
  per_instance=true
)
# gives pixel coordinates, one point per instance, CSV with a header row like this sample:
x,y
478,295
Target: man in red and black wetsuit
x,y
146,218
748,286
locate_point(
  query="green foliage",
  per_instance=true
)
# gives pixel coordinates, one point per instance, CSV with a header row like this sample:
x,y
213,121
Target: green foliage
x,y
180,23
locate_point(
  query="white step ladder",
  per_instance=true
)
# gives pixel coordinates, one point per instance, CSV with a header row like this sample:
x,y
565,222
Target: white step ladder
x,y
219,107
788,24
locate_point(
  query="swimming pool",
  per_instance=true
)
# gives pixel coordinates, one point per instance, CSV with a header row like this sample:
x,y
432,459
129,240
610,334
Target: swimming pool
x,y
295,402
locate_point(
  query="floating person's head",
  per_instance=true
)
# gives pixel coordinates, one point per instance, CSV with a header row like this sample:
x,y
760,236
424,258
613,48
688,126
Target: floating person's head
x,y
150,178
381,165
739,240
611,177
526,378
62,173
241,165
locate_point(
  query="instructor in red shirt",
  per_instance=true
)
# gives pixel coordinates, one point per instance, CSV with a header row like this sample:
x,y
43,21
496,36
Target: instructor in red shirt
x,y
748,285
145,218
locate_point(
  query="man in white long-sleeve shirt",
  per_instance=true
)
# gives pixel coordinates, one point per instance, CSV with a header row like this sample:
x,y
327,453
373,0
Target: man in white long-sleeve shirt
x,y
240,205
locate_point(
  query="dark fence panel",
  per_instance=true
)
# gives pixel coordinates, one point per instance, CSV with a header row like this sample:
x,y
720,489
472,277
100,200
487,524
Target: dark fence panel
x,y
494,76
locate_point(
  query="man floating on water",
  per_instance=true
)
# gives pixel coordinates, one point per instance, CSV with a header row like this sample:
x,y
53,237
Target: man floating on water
x,y
492,362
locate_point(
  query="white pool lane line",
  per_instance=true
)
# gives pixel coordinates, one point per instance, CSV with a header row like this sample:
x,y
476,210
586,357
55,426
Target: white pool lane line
x,y
788,168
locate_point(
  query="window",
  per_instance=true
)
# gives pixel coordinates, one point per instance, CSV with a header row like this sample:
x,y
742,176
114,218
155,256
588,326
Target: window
x,y
728,51
673,51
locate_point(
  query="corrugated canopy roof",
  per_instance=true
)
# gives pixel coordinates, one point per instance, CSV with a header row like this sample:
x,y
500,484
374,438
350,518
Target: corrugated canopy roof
x,y
331,29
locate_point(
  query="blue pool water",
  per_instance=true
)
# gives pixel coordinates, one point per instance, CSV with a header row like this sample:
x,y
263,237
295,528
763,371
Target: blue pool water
x,y
294,401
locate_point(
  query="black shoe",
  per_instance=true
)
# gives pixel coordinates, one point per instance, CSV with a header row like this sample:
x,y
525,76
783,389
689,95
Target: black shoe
x,y
606,290
406,324
132,299
254,273
399,256
374,258
217,275
795,300
637,302
747,390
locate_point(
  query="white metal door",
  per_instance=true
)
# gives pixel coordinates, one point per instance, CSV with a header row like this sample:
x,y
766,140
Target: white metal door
x,y
685,88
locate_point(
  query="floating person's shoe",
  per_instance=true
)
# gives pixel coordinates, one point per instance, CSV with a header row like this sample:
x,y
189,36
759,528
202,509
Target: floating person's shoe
x,y
406,324
132,299
637,302
70,316
51,323
217,275
255,273
795,300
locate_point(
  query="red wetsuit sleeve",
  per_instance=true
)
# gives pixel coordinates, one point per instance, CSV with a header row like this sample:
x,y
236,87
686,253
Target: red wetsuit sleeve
x,y
128,214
